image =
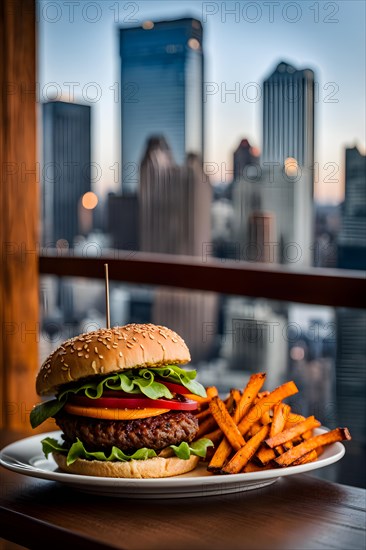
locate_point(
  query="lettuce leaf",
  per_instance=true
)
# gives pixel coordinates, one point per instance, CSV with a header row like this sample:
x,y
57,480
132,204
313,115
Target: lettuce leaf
x,y
198,448
127,382
77,450
140,381
173,373
41,412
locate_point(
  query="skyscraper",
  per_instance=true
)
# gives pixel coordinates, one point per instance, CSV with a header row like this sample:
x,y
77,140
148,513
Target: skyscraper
x,y
174,214
288,115
352,237
162,87
270,216
174,203
66,169
245,158
288,147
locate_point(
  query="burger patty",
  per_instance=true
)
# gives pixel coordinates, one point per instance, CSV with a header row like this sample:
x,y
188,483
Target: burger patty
x,y
155,432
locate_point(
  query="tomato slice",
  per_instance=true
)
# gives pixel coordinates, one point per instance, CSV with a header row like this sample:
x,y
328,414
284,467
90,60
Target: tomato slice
x,y
134,402
176,388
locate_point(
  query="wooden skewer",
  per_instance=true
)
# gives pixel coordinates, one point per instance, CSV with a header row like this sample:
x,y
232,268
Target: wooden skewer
x,y
107,309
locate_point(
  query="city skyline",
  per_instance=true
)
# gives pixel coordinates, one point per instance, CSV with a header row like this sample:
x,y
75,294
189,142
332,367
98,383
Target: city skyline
x,y
311,44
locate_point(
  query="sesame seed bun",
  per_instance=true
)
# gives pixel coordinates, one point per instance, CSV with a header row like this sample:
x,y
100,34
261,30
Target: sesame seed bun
x,y
106,351
156,467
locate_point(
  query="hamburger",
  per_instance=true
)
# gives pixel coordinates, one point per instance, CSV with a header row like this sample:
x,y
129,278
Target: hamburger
x,y
124,404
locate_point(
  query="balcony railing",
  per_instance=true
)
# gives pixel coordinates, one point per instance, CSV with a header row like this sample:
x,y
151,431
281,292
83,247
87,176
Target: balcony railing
x,y
327,287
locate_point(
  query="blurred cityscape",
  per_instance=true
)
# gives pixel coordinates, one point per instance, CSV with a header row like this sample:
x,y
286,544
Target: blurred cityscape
x,y
168,204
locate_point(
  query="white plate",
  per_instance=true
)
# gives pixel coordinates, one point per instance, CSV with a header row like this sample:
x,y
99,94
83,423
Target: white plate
x,y
26,457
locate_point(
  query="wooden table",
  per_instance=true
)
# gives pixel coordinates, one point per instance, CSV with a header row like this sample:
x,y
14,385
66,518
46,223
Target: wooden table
x,y
297,512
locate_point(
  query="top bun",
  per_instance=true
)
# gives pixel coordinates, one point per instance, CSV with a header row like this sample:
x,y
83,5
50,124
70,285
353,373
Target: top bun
x,y
111,350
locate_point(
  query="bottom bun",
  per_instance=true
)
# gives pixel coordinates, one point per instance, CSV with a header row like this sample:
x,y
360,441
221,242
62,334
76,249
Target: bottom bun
x,y
140,469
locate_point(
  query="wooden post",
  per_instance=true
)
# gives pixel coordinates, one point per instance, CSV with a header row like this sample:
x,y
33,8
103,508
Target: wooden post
x,y
19,213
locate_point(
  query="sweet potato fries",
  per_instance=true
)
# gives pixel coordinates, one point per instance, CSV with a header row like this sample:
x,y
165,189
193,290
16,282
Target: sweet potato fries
x,y
254,430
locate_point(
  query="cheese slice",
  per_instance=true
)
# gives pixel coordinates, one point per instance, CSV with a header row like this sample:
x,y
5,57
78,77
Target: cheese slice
x,y
113,414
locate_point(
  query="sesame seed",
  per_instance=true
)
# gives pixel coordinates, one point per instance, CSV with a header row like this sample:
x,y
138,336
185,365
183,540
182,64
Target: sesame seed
x,y
141,346
80,354
64,368
151,336
86,356
102,369
96,349
85,346
108,346
100,356
120,354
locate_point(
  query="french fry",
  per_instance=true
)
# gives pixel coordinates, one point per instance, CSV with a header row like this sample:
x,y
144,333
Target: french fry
x,y
290,434
266,418
255,429
248,396
212,391
292,419
208,425
203,414
226,423
304,459
308,434
267,402
280,415
243,455
222,453
319,450
295,453
265,455
261,394
250,392
253,467
236,395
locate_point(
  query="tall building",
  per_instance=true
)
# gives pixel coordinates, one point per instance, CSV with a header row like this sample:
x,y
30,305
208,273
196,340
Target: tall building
x,y
162,89
174,214
66,169
352,237
288,115
122,221
174,202
288,146
246,159
270,217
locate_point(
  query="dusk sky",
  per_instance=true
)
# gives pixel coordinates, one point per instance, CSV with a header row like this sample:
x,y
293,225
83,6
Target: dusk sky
x,y
78,43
